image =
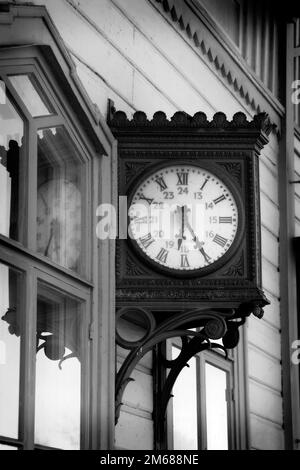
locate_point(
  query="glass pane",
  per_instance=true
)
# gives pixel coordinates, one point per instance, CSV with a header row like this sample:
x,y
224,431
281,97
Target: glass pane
x,y
12,171
58,370
7,447
227,13
59,199
29,95
216,408
11,306
185,433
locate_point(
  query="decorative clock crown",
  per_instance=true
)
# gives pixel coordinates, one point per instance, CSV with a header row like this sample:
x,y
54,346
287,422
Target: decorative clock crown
x,y
180,119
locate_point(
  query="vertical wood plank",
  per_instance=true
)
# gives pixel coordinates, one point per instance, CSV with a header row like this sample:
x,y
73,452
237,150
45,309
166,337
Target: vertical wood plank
x,y
275,65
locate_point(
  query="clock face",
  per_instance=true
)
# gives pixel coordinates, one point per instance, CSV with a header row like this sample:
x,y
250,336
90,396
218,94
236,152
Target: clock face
x,y
59,222
183,217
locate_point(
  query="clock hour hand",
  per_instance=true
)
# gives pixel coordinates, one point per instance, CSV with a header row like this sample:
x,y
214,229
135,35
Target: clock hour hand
x,y
53,233
198,244
46,253
181,234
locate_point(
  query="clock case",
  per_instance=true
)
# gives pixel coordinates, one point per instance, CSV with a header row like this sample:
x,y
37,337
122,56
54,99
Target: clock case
x,y
231,150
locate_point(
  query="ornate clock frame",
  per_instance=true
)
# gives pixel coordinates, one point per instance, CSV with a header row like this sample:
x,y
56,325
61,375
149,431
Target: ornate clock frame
x,y
214,301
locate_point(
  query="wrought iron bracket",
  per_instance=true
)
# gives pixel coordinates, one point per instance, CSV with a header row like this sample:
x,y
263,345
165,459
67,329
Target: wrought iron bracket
x,y
197,328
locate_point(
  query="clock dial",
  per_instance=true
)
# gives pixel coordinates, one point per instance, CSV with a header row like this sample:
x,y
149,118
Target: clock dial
x,y
59,222
183,217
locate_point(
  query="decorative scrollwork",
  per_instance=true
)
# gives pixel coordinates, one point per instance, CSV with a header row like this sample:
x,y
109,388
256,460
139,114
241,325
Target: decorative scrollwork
x,y
215,328
211,324
234,169
145,318
258,311
236,269
132,269
132,169
232,335
11,318
48,335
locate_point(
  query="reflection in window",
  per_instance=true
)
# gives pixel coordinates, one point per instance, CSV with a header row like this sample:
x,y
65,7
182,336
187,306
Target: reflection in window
x,y
29,95
216,408
12,171
58,370
10,331
185,433
59,198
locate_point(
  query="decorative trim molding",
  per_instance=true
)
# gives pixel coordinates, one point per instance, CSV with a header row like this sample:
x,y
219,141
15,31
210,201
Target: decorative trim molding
x,y
219,54
180,119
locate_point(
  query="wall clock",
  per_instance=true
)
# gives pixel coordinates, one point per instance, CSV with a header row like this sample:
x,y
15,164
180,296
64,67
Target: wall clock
x,y
177,257
184,219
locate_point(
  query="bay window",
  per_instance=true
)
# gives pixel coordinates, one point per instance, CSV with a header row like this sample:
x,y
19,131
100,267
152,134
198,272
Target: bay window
x,y
50,301
44,196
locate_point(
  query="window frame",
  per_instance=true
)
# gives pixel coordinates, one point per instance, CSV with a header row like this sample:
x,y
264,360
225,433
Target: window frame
x,y
33,273
60,118
238,410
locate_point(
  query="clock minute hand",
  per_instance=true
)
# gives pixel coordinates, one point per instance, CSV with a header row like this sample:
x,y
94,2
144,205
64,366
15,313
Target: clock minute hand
x,y
199,244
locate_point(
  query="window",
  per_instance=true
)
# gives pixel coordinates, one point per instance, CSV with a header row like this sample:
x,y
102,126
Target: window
x,y
58,368
11,331
60,198
228,14
12,170
27,91
201,413
45,272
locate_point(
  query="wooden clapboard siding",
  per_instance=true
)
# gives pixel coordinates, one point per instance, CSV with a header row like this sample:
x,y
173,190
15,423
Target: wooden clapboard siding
x,y
126,51
265,435
135,425
272,311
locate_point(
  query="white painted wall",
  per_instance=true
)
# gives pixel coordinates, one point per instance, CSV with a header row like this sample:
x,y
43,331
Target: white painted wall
x,y
125,50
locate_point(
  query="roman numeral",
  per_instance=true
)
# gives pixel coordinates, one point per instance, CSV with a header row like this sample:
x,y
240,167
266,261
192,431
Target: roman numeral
x,y
225,220
184,261
220,240
204,184
182,179
161,183
162,255
146,240
219,199
146,199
